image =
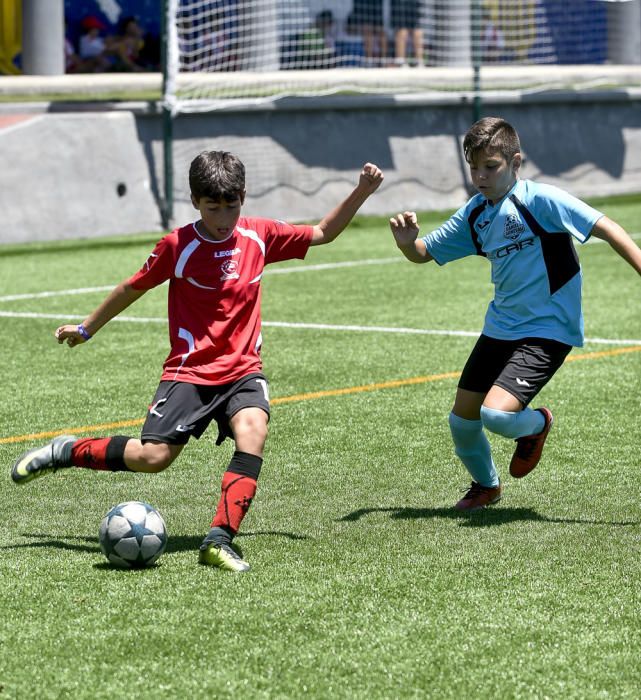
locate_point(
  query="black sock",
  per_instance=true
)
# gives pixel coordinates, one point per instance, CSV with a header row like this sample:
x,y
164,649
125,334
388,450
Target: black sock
x,y
218,535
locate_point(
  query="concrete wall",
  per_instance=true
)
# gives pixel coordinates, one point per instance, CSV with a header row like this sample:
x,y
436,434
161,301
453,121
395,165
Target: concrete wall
x,y
73,175
300,161
83,174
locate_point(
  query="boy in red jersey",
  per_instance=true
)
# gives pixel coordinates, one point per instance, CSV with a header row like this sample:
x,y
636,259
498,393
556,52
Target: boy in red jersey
x,y
213,370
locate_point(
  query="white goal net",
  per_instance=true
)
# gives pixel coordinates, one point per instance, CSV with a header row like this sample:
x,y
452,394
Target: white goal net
x,y
258,50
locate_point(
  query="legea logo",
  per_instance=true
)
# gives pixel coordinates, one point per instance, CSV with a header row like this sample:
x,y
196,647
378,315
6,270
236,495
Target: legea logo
x,y
226,253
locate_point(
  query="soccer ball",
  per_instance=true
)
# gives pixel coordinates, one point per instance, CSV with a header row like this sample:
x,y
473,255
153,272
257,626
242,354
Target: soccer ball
x,y
132,535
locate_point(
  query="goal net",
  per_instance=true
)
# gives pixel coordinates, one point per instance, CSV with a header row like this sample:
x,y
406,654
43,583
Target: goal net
x,y
260,50
229,56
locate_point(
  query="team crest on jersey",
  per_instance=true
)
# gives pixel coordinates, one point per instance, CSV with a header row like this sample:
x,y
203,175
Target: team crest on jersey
x,y
230,270
514,227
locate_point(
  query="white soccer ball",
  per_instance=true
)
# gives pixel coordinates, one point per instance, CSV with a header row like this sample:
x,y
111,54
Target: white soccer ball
x,y
132,535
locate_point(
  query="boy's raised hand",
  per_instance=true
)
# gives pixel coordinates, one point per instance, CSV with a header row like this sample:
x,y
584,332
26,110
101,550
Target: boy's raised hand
x,y
405,228
370,178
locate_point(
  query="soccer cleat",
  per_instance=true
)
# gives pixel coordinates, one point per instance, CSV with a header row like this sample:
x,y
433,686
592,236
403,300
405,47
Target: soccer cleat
x,y
42,460
478,497
529,448
221,555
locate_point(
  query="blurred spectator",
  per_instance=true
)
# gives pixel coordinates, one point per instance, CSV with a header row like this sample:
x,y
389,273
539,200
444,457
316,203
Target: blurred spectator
x,y
368,17
149,57
209,41
349,44
492,39
327,27
406,23
189,42
126,46
313,48
91,46
72,60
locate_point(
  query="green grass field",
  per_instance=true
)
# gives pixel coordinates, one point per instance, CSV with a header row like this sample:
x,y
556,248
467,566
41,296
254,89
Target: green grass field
x,y
364,582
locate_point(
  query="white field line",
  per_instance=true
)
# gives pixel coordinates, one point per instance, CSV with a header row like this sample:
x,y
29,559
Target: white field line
x,y
66,317
58,293
269,271
333,266
276,324
310,326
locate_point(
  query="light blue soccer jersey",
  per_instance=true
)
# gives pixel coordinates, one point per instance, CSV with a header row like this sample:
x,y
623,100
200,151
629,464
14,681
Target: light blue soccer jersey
x,y
527,237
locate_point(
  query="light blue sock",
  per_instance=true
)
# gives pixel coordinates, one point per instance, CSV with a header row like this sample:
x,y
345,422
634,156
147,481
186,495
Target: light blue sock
x,y
473,449
513,424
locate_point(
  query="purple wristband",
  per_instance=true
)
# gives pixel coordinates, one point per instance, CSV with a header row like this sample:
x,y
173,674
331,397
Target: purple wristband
x,y
83,332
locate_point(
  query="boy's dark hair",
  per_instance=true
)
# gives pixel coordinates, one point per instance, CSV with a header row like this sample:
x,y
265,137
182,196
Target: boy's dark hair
x,y
491,133
218,175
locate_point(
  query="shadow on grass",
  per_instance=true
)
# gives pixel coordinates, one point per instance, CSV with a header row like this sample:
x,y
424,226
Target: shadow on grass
x,y
481,518
73,544
175,543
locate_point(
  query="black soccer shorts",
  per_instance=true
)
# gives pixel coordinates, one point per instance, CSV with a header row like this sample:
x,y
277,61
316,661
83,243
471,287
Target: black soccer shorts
x,y
180,410
521,367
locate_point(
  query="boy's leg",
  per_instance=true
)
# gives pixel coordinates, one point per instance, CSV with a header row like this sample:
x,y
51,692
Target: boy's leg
x,y
473,449
105,454
247,411
505,410
117,453
484,364
123,454
238,489
170,421
530,447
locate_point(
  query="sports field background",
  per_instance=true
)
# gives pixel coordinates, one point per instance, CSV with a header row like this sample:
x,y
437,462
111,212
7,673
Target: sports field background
x,y
364,582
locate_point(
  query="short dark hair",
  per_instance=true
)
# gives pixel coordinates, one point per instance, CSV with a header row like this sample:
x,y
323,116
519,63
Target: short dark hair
x,y
219,175
491,133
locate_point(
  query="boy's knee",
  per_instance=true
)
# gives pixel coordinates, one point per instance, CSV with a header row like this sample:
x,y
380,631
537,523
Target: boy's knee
x,y
249,427
500,422
250,424
157,456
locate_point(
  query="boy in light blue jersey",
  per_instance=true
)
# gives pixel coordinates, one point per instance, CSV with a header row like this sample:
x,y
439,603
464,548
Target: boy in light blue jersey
x,y
525,229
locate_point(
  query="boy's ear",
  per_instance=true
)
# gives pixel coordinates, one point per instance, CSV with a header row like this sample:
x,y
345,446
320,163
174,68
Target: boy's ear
x,y
242,197
517,161
194,201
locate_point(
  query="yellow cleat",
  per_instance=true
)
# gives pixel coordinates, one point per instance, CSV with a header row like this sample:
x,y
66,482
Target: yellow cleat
x,y
222,556
43,460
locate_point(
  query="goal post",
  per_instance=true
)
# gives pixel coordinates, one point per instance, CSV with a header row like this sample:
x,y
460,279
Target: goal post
x,y
166,40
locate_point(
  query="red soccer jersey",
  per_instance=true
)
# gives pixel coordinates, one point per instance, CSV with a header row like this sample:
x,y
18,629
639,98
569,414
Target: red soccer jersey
x,y
214,295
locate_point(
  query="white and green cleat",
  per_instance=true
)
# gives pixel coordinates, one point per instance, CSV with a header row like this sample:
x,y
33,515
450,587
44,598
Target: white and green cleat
x,y
43,460
222,556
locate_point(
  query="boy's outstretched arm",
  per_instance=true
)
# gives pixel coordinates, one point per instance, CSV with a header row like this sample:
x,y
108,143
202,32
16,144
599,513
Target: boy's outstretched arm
x,y
405,229
116,301
610,232
337,220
